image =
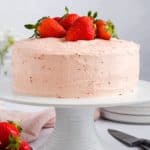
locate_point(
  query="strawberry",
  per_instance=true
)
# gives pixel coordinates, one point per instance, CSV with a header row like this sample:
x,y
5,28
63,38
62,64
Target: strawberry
x,y
24,146
8,132
17,125
47,27
68,19
82,29
50,28
105,30
57,18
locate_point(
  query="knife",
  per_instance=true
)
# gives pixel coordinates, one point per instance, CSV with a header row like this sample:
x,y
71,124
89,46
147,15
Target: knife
x,y
130,140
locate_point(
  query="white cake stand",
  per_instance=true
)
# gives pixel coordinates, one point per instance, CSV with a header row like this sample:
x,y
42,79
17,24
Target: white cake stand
x,y
74,124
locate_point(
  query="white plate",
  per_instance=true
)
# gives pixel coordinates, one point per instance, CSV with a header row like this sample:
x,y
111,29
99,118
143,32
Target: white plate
x,y
130,119
135,110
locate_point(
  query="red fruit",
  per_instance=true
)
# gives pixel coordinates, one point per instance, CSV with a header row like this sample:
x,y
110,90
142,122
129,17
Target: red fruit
x,y
24,146
57,18
17,125
50,28
82,29
68,20
105,30
102,31
8,132
47,27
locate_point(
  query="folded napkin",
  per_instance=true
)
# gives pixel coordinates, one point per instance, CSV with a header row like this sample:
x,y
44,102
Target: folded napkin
x,y
33,122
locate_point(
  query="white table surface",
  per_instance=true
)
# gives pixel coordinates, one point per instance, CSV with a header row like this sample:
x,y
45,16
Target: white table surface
x,y
108,141
101,126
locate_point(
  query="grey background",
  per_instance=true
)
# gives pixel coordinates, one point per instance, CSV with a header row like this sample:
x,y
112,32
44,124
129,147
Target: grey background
x,y
132,18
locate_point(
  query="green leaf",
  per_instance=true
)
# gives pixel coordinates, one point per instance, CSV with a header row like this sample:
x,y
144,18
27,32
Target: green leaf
x,y
11,40
66,10
89,13
3,51
95,15
14,143
29,26
111,29
115,35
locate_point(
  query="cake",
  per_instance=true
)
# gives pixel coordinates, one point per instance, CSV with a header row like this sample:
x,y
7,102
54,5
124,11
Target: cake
x,y
74,56
58,68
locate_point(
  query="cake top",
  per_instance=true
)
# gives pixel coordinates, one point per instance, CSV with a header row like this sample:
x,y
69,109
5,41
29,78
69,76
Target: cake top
x,y
75,34
74,27
59,46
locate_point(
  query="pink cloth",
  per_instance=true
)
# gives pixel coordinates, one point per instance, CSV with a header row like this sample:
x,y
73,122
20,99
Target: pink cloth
x,y
33,122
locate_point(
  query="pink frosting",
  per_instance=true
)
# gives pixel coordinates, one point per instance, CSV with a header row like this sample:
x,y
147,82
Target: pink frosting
x,y
57,68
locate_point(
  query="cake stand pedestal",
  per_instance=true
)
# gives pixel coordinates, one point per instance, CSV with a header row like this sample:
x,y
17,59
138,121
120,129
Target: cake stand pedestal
x,y
75,128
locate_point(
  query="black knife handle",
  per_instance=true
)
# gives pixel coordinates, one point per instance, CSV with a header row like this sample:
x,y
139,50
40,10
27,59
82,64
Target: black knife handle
x,y
144,147
146,142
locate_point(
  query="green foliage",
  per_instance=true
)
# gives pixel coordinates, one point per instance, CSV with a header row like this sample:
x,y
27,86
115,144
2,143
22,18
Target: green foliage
x,y
4,49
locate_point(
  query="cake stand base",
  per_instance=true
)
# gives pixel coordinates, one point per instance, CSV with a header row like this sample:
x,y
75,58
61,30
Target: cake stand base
x,y
74,130
75,124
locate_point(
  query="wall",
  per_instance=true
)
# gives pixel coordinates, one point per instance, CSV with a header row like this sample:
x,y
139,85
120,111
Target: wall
x,y
132,18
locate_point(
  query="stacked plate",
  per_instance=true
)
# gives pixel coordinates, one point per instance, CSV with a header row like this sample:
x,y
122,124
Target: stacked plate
x,y
138,114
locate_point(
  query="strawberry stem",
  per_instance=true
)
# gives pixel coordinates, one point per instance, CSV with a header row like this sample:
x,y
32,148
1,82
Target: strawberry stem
x,y
89,13
92,15
95,15
67,10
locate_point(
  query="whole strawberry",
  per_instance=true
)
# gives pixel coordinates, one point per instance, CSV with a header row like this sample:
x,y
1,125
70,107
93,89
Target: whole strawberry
x,y
105,30
47,27
50,28
8,132
68,19
82,29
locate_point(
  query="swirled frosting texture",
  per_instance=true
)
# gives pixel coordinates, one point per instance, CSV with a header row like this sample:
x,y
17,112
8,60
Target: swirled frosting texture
x,y
57,68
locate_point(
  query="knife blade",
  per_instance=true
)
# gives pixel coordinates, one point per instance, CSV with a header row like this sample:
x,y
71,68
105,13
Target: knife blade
x,y
129,140
144,147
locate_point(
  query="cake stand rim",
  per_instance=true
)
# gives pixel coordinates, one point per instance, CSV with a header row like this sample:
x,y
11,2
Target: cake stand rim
x,y
142,95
